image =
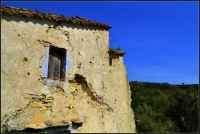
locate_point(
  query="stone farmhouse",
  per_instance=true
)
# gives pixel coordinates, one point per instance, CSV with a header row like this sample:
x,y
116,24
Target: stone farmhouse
x,y
57,75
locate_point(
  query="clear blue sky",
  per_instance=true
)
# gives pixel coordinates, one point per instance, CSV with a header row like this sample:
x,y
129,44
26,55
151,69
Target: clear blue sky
x,y
161,38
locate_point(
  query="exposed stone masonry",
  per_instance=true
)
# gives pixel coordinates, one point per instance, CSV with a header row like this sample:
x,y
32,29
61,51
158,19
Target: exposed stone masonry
x,y
95,95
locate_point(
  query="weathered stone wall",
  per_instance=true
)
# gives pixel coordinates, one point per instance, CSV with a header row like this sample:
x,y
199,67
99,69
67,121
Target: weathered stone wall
x,y
95,93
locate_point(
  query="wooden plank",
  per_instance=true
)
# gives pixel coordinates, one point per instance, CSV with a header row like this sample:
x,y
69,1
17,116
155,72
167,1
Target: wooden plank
x,y
55,57
63,65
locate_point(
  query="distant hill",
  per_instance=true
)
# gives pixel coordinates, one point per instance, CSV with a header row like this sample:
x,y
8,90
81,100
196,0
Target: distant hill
x,y
162,107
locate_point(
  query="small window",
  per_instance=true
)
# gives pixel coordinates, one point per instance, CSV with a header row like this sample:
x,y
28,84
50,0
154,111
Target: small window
x,y
57,63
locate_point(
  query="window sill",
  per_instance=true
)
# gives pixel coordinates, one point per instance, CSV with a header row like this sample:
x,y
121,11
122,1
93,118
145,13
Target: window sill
x,y
54,80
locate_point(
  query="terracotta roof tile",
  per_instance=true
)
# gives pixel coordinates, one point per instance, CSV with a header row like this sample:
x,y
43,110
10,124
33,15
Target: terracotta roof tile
x,y
119,52
51,17
116,53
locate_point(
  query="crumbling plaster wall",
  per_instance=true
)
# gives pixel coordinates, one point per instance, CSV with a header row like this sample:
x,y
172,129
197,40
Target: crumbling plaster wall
x,y
94,93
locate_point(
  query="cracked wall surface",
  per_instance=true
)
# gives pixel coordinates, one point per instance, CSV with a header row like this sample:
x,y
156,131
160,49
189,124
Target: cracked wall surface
x,y
94,93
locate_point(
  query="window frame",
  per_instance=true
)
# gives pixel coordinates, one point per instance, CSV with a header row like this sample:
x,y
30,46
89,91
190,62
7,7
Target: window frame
x,y
57,57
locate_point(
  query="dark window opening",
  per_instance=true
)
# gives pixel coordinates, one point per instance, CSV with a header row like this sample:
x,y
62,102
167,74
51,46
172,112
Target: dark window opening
x,y
57,63
59,129
52,129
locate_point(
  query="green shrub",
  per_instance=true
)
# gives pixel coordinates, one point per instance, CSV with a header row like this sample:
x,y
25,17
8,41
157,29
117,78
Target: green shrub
x,y
160,107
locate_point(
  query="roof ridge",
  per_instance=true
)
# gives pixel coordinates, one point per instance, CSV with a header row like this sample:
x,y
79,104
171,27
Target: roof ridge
x,y
24,12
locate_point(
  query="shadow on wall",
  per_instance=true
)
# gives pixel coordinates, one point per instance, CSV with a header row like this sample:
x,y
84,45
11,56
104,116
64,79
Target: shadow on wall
x,y
84,86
